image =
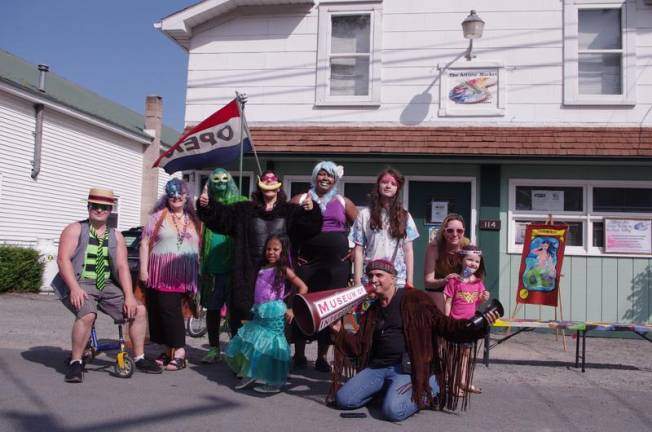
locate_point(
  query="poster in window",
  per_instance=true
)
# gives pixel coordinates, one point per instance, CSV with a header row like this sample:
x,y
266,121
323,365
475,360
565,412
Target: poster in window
x,y
548,200
628,236
475,89
438,211
541,261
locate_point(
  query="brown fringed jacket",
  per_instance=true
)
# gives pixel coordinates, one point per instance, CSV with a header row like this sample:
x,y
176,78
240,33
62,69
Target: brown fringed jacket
x,y
424,326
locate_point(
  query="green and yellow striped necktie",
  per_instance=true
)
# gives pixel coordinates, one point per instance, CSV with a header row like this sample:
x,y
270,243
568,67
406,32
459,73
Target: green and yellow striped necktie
x,y
100,260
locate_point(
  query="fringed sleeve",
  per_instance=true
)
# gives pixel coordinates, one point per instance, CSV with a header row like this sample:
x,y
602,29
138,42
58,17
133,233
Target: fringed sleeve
x,y
426,330
351,352
451,338
416,311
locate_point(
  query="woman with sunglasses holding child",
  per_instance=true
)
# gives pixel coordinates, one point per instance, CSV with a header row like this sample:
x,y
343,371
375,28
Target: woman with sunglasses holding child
x,y
442,257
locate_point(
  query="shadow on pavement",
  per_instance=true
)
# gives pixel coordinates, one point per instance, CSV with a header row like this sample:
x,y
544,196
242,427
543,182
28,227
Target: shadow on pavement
x,y
57,359
26,421
555,363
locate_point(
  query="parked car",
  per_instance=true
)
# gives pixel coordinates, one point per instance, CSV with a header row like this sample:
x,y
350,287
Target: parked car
x,y
132,239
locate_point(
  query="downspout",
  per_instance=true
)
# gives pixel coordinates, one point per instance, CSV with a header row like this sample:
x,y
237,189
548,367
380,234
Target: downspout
x,y
38,132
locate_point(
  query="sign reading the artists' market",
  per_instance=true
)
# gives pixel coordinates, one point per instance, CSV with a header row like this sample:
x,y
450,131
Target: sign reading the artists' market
x,y
472,89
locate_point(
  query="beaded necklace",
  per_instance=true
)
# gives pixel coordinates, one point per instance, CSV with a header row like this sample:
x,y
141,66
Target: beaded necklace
x,y
180,234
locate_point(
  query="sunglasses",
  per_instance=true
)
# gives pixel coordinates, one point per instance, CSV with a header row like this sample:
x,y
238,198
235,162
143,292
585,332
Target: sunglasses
x,y
99,207
177,197
269,178
453,231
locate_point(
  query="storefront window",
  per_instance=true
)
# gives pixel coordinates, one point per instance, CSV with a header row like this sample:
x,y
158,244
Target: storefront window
x,y
582,205
622,200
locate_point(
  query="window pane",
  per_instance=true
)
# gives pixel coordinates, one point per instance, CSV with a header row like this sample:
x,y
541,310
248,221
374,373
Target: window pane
x,y
560,198
350,76
575,236
625,200
600,74
246,184
298,188
358,192
350,34
203,178
598,234
599,29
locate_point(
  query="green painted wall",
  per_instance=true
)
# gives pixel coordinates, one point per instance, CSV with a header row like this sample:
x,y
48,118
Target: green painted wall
x,y
592,288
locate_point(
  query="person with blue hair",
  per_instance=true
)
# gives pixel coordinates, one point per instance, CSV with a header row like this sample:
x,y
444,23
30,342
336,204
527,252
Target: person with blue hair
x,y
169,268
323,261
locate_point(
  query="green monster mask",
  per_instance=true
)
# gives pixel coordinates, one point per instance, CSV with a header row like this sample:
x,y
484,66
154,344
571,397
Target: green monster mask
x,y
222,187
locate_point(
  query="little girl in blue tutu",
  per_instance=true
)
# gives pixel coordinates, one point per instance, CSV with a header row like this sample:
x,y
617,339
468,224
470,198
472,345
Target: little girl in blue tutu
x,y
260,351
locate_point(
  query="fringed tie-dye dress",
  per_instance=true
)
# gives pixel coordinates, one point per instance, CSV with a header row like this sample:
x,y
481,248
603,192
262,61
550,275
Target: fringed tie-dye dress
x,y
173,264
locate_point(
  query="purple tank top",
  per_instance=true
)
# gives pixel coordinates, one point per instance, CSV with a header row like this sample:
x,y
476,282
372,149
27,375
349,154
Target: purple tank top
x,y
334,216
265,291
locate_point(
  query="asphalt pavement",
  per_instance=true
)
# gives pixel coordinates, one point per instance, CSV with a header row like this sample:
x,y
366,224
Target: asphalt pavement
x,y
530,385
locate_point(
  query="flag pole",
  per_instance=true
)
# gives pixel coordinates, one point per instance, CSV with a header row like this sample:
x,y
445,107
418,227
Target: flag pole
x,y
241,105
253,147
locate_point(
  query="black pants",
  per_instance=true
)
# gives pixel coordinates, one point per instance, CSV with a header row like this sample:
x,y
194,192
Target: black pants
x,y
213,327
166,324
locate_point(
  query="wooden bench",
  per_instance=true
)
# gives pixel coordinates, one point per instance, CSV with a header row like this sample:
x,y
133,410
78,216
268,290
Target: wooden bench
x,y
581,328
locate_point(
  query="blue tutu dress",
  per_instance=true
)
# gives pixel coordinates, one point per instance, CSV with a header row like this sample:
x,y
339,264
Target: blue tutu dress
x,y
260,349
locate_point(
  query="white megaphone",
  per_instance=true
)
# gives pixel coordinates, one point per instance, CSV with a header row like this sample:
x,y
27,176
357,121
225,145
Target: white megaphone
x,y
314,312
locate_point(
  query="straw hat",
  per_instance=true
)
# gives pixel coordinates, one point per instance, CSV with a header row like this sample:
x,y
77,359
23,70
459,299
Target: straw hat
x,y
101,196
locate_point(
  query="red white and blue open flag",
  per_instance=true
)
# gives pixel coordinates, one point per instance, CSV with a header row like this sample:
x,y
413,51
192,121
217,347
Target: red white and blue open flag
x,y
213,142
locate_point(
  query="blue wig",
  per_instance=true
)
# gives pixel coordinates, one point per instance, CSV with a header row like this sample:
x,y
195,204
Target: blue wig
x,y
332,169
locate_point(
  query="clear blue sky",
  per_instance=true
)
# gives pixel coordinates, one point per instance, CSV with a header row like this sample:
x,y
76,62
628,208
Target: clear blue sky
x,y
108,47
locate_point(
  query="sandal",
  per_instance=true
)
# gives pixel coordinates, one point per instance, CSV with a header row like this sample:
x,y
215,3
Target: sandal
x,y
473,389
176,364
163,359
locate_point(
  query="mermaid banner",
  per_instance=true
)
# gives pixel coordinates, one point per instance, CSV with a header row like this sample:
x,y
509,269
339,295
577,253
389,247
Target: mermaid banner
x,y
541,261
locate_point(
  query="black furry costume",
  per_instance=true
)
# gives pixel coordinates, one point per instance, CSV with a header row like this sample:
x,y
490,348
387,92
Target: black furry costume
x,y
243,222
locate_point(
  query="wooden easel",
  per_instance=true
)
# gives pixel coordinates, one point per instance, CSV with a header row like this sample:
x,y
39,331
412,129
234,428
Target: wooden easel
x,y
550,221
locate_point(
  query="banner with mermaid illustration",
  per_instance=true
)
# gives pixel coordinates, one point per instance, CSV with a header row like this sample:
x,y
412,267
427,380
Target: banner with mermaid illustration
x,y
472,90
541,261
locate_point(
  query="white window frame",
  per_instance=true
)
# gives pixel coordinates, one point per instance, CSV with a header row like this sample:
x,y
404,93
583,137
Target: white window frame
x,y
327,9
587,216
572,95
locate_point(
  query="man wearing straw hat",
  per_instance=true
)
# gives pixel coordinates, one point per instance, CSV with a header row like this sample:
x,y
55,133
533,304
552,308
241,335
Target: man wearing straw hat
x,y
94,272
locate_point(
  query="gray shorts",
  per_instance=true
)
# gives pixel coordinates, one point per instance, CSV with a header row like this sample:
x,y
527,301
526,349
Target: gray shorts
x,y
110,300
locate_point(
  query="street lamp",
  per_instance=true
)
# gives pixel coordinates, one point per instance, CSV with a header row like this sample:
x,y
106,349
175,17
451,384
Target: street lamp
x,y
472,26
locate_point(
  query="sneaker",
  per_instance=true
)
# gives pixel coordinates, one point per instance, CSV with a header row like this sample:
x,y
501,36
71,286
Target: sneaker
x,y
148,366
322,365
267,388
300,362
75,372
212,356
244,383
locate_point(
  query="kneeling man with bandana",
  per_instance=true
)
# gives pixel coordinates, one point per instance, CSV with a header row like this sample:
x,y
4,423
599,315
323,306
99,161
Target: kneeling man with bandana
x,y
396,350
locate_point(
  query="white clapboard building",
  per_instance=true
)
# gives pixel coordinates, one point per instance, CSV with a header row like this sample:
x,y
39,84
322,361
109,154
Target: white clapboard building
x,y
553,100
57,140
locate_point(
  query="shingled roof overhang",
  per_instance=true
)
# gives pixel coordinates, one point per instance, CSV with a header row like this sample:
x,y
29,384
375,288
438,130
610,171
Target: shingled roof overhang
x,y
517,142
